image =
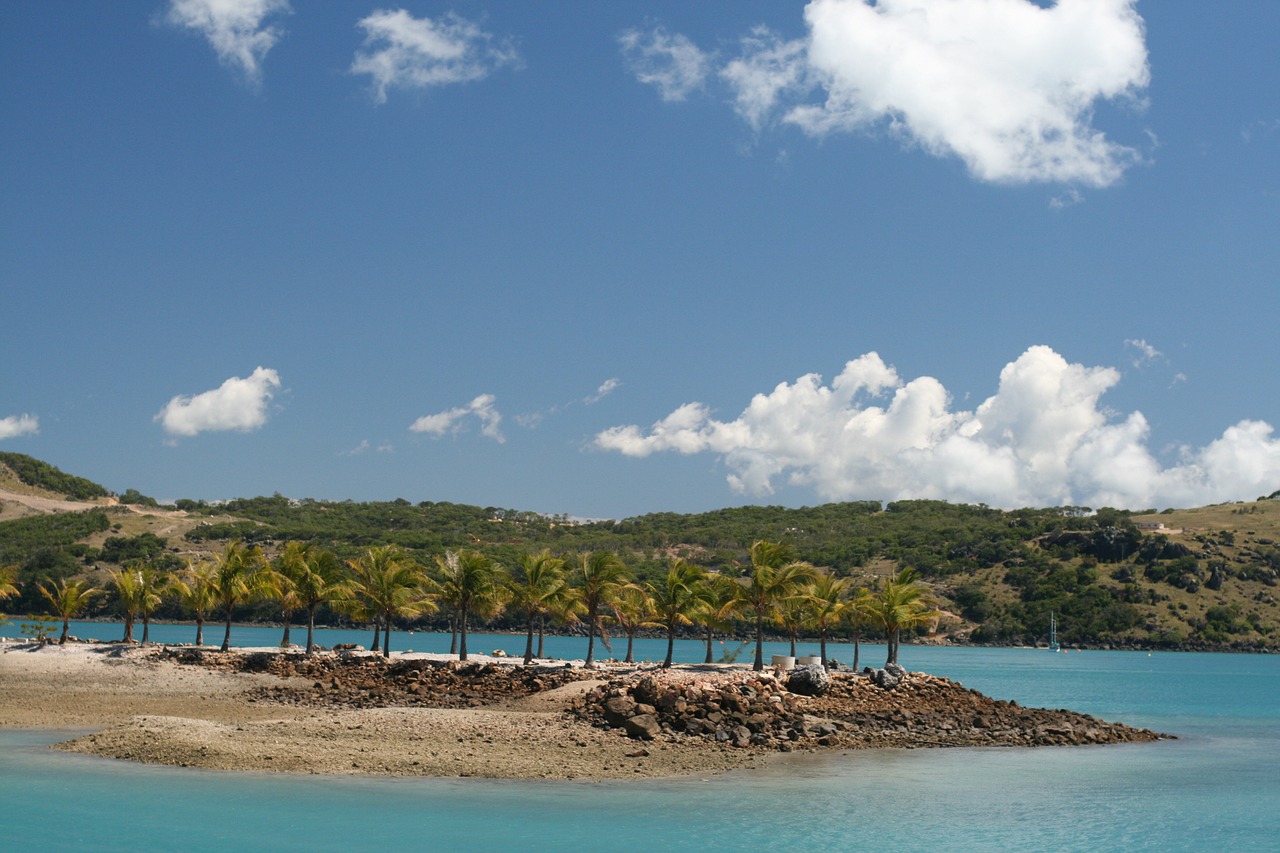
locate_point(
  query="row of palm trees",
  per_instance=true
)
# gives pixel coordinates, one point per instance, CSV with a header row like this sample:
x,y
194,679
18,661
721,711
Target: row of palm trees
x,y
593,589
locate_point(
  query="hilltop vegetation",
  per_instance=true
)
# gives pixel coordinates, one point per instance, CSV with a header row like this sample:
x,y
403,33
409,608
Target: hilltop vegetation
x,y
41,475
1207,579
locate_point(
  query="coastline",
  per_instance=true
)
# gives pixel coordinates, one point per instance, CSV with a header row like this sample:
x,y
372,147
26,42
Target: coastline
x,y
426,715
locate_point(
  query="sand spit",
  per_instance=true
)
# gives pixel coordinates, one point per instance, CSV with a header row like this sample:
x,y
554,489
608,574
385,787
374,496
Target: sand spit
x,y
427,715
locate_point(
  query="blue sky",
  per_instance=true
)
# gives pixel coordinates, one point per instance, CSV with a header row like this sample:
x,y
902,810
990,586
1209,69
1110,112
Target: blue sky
x,y
615,258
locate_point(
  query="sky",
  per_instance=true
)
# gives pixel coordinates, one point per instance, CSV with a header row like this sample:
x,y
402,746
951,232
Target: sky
x,y
605,259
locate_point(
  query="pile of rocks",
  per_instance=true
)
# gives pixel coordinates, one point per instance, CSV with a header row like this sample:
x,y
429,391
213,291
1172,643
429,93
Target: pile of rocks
x,y
851,711
369,681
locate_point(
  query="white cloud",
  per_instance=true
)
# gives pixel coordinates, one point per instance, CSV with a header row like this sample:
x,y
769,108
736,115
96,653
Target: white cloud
x,y
672,64
1145,352
234,28
1007,86
1041,440
238,404
418,53
606,388
454,420
16,425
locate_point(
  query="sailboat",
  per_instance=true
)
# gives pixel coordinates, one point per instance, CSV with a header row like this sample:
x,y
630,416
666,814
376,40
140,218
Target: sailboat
x,y
1053,632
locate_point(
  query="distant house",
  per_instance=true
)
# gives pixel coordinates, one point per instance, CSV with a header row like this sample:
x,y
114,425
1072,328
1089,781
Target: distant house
x,y
1157,527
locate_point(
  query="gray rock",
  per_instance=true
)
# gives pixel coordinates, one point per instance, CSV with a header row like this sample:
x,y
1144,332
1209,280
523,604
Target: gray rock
x,y
811,680
884,678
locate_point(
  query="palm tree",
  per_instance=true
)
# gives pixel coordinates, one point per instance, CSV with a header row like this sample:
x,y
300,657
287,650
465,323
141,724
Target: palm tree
x,y
68,599
599,575
282,580
129,595
8,581
633,609
721,594
153,585
678,597
236,579
392,585
472,582
793,613
905,602
859,611
322,583
827,607
194,587
533,591
774,577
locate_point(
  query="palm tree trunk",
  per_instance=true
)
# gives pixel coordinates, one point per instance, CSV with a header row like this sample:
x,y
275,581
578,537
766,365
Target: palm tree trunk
x,y
631,639
199,631
386,638
311,630
542,629
62,641
226,638
857,640
377,632
759,666
793,643
822,645
671,646
284,641
462,634
128,628
709,639
146,628
589,663
528,644
453,634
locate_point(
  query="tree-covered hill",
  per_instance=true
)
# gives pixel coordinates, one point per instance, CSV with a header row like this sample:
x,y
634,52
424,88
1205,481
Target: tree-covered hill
x,y
41,475
1207,579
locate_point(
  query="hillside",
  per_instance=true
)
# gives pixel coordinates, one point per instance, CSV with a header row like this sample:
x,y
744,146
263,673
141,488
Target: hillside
x,y
1206,579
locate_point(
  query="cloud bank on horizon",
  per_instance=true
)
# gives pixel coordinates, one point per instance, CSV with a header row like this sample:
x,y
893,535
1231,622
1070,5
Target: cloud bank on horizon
x,y
1041,440
1007,86
239,404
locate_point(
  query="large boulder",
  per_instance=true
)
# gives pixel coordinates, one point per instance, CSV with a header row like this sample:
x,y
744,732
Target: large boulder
x,y
811,680
643,726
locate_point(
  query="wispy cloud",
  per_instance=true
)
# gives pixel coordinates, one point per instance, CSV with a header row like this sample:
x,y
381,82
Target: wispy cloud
x,y
606,388
364,447
401,51
239,404
1007,86
236,29
1144,353
455,420
16,425
532,420
672,64
1041,440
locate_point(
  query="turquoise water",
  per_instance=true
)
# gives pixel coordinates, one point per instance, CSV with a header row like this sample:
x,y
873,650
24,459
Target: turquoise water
x,y
1216,788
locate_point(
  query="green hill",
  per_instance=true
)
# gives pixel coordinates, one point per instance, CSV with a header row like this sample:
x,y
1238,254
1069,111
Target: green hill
x,y
1206,579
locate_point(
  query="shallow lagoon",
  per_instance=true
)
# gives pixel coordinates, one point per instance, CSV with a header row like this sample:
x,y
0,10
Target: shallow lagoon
x,y
1217,787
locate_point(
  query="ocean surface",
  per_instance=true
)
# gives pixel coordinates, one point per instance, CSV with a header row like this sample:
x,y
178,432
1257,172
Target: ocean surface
x,y
1215,788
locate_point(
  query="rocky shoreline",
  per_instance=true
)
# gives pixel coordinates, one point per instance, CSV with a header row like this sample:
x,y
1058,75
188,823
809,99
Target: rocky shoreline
x,y
698,705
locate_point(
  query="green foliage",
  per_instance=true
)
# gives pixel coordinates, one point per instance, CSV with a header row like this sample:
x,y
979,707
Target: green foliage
x,y
38,628
19,537
42,475
133,496
144,547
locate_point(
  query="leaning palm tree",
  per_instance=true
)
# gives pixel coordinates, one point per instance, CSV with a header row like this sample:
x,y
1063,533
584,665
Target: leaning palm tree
x,y
194,586
472,583
153,585
236,579
678,597
633,608
599,575
774,577
905,602
393,587
533,589
827,605
68,598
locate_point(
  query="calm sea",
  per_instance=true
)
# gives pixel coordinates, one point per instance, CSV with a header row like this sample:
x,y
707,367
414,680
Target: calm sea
x,y
1216,788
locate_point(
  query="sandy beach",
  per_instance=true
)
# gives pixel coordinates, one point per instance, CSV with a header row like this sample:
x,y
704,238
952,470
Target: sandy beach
x,y
157,711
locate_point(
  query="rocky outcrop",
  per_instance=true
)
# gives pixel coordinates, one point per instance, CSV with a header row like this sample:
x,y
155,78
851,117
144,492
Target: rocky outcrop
x,y
851,712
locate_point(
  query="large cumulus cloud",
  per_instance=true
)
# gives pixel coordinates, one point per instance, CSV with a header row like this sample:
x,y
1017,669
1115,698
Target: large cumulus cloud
x,y
1042,439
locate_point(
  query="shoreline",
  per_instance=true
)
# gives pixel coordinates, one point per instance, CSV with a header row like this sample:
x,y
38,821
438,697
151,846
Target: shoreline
x,y
427,715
